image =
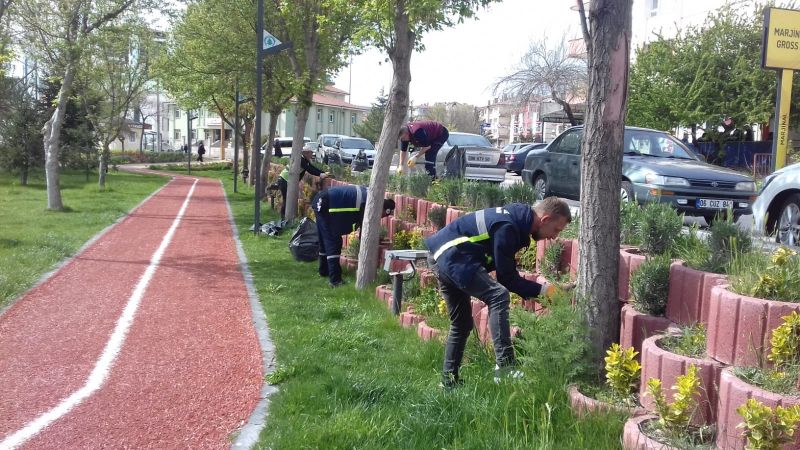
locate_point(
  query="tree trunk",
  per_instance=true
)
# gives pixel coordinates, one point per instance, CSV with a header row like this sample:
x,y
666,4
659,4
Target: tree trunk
x,y
51,132
101,168
23,176
292,194
273,124
248,127
387,145
252,165
601,174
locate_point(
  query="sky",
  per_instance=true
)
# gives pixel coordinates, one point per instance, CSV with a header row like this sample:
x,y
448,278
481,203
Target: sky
x,y
461,64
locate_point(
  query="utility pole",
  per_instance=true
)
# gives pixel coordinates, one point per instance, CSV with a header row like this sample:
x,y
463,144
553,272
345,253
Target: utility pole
x,y
158,116
257,137
236,140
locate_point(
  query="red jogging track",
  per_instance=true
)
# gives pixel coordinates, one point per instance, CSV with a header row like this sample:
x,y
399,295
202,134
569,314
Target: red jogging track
x,y
189,371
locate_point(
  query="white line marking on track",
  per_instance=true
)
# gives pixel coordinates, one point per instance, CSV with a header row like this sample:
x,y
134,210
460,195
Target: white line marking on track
x,y
99,374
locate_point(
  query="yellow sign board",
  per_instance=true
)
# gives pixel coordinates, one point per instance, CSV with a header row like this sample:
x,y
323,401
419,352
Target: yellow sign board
x,y
781,40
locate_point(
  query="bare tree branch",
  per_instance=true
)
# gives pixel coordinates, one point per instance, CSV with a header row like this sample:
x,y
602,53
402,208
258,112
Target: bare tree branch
x,y
585,27
111,15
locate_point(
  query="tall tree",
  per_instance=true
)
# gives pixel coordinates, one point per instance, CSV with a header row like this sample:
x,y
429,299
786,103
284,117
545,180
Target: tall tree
x,y
370,128
455,116
394,26
57,31
547,70
607,35
20,142
116,70
225,29
322,33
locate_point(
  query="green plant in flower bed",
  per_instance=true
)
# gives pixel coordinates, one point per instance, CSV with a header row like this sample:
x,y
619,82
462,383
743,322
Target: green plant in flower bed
x,y
481,195
526,257
362,178
630,216
650,285
658,227
520,193
429,303
409,214
418,185
781,382
672,426
408,240
398,183
690,342
622,374
353,246
775,277
551,262
437,216
572,230
785,342
448,191
765,428
694,251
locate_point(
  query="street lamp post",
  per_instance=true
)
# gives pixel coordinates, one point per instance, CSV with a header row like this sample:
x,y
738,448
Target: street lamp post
x,y
189,120
236,140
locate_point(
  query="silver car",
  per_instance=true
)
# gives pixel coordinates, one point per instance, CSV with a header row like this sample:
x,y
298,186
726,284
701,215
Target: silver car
x,y
777,208
484,162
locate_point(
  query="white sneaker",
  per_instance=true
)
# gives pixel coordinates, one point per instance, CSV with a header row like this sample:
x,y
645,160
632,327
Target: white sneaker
x,y
506,373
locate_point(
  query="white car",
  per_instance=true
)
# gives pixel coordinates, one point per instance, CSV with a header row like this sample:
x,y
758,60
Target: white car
x,y
777,208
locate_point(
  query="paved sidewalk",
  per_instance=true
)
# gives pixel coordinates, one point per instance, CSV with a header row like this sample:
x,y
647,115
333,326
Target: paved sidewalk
x,y
143,340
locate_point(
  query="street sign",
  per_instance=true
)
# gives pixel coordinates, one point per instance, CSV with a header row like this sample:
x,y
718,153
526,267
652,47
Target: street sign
x,y
269,41
781,39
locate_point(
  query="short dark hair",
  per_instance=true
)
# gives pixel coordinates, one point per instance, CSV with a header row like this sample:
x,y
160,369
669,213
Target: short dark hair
x,y
554,206
388,204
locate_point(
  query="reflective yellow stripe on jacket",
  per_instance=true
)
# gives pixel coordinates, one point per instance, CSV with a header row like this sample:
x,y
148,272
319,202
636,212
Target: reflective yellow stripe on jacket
x,y
480,220
356,209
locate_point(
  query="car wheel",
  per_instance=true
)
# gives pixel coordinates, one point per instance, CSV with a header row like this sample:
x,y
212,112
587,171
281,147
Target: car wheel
x,y
788,225
626,194
541,188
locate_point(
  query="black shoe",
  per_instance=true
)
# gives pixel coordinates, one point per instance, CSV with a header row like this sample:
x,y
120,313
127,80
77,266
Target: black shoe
x,y
336,284
323,274
450,381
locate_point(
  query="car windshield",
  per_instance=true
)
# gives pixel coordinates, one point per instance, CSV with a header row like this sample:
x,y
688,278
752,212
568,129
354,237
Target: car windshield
x,y
357,143
328,141
509,148
468,140
660,145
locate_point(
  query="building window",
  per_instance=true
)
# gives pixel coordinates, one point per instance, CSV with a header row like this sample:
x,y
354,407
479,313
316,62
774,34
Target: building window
x,y
319,114
352,119
177,113
132,136
177,135
330,117
653,8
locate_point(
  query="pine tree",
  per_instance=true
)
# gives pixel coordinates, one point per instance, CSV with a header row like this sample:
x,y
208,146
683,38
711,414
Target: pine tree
x,y
370,128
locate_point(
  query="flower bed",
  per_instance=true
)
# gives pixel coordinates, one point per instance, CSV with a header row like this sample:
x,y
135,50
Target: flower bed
x,y
739,326
629,260
733,393
635,327
667,366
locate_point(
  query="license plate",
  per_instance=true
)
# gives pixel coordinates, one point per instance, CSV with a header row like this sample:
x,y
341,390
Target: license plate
x,y
479,158
708,203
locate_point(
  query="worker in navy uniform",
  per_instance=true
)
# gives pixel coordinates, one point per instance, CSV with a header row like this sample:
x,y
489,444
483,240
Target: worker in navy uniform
x,y
427,137
339,211
464,252
283,178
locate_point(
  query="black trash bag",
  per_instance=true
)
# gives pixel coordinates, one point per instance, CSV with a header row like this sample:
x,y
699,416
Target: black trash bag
x,y
304,243
455,163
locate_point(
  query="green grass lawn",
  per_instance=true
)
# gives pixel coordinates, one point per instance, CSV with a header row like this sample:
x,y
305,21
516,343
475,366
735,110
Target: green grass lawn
x,y
351,377
34,239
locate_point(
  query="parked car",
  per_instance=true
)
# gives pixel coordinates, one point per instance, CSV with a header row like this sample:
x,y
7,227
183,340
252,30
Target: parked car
x,y
285,143
484,162
515,159
325,146
655,167
777,208
346,148
513,148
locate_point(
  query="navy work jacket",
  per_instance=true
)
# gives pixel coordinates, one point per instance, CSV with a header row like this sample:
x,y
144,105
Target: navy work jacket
x,y
344,206
492,241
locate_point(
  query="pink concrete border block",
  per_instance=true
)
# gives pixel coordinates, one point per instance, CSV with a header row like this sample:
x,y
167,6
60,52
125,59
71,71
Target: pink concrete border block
x,y
566,255
384,294
690,294
635,327
348,263
667,366
574,258
425,332
423,206
409,319
734,392
633,438
428,232
629,260
739,327
582,404
453,214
